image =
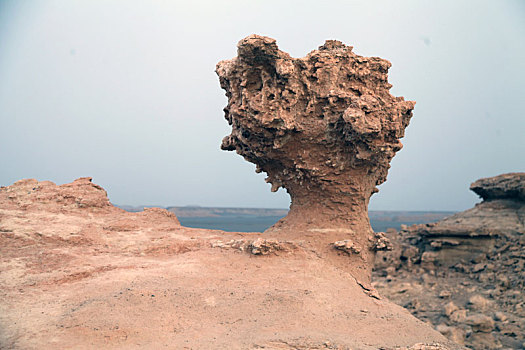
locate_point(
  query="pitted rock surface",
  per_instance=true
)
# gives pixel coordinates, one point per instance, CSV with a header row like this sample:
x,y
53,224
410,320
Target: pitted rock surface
x,y
324,127
81,193
325,124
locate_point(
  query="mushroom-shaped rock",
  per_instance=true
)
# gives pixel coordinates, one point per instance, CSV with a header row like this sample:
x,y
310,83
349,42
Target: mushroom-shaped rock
x,y
324,127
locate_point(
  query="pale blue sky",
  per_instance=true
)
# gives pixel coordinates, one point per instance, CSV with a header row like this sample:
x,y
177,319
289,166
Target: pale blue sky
x,y
125,92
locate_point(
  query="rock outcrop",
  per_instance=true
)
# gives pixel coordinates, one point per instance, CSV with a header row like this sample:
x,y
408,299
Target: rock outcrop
x,y
465,273
324,127
507,186
81,193
463,236
79,273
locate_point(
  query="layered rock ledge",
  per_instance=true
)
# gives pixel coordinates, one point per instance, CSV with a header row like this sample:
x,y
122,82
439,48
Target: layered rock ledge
x,y
466,273
465,235
506,186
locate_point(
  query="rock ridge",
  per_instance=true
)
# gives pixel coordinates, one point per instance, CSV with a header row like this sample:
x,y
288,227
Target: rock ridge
x,y
505,186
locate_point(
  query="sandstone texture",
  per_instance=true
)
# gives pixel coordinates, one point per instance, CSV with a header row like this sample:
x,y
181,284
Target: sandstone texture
x,y
465,273
325,128
78,273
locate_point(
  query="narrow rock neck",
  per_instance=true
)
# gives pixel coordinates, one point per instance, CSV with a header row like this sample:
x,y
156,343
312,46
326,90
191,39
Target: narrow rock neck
x,y
319,221
329,207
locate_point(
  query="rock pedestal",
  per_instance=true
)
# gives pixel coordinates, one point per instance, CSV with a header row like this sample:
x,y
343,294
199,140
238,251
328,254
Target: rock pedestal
x,y
324,127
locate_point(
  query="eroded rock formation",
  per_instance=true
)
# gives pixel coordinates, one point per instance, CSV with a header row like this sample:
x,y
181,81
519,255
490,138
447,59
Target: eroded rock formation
x,y
324,127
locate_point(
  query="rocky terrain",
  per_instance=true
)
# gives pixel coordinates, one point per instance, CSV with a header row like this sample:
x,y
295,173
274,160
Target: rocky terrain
x,y
77,272
465,274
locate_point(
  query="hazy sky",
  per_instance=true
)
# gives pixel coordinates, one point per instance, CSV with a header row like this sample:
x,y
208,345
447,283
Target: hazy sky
x,y
125,92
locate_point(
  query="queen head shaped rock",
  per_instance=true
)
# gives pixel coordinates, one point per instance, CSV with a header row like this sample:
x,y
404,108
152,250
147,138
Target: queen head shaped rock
x,y
324,127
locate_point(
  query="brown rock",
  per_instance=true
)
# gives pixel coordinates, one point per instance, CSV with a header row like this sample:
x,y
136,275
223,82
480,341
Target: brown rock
x,y
472,234
81,193
444,294
450,308
506,186
497,214
478,267
324,127
455,334
500,316
429,259
484,341
458,316
410,253
421,346
478,302
268,246
480,323
381,242
347,246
